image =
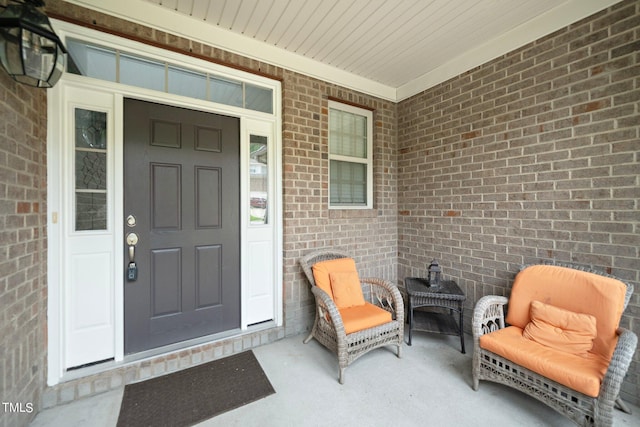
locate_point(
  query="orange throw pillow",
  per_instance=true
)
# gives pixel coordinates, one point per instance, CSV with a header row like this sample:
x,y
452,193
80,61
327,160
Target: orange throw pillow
x,y
322,269
561,329
347,291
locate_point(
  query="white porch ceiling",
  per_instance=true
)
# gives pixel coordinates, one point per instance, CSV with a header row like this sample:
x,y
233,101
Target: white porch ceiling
x,y
388,48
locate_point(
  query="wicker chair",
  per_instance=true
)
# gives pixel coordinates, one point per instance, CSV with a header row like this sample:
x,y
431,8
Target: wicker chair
x,y
580,408
328,327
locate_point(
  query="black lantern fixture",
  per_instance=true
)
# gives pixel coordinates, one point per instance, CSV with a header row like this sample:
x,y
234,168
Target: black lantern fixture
x,y
30,51
434,273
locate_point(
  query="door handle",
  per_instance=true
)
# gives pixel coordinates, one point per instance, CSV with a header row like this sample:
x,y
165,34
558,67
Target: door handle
x,y
132,269
132,241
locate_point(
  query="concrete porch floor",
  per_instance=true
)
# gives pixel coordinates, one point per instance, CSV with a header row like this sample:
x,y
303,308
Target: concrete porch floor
x,y
429,386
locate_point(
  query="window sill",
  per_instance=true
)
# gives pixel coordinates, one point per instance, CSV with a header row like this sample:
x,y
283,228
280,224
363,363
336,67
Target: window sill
x,y
352,213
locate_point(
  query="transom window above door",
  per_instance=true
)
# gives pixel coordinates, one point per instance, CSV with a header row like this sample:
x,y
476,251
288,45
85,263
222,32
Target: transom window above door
x,y
115,65
350,157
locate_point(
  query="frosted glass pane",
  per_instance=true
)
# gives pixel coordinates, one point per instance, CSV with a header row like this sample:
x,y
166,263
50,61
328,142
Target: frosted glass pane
x,y
141,73
348,183
91,211
347,134
226,92
91,61
258,98
91,129
91,170
187,83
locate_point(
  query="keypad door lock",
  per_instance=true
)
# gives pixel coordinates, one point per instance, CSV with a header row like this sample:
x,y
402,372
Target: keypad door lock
x,y
132,272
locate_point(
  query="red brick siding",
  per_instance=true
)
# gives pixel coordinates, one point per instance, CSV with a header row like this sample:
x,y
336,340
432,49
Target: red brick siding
x,y
529,158
23,294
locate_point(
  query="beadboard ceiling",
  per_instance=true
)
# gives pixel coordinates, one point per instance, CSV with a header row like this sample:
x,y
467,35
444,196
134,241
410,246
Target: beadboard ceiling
x,y
388,48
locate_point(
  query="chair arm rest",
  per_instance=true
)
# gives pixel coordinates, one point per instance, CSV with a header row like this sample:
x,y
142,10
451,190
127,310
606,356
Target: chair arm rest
x,y
328,311
488,315
385,295
620,361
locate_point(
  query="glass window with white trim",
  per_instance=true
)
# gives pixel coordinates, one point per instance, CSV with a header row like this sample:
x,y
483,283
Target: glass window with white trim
x,y
350,157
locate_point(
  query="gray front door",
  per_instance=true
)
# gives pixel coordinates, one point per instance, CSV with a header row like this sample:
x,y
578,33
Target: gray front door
x,y
182,183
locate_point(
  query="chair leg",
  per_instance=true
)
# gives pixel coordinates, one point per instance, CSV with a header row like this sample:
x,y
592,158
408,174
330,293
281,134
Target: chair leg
x,y
307,339
399,351
341,379
476,377
622,406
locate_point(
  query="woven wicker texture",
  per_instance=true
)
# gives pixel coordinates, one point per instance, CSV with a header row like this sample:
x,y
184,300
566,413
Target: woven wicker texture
x,y
584,410
328,328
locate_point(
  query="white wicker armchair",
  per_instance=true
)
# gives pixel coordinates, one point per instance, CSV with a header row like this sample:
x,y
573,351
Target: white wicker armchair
x,y
489,316
328,327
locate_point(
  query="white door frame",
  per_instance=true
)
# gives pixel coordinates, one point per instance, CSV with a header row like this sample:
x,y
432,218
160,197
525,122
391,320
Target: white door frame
x,y
59,223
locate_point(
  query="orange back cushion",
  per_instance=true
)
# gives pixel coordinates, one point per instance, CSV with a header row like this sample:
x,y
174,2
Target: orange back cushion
x,y
573,290
322,269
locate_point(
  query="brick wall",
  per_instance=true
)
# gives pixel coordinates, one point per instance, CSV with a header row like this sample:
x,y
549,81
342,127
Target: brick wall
x,y
532,157
370,235
23,296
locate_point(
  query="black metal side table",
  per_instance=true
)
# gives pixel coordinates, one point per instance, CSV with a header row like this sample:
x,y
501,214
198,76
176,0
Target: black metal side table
x,y
422,298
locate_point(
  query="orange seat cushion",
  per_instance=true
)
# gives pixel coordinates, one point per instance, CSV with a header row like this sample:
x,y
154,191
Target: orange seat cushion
x,y
573,290
561,329
322,269
360,317
580,373
346,288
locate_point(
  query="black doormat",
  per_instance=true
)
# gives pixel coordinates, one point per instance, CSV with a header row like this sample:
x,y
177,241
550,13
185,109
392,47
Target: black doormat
x,y
187,397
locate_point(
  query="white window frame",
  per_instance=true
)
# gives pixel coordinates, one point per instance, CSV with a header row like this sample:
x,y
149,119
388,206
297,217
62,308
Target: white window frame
x,y
368,161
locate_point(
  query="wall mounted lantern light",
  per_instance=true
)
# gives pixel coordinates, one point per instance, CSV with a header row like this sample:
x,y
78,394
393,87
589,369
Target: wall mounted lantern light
x,y
30,51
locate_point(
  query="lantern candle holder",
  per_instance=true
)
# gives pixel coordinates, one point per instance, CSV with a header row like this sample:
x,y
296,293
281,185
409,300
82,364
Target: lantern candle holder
x,y
434,274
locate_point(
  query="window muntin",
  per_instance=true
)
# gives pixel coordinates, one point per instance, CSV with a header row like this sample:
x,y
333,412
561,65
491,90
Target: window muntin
x,y
350,157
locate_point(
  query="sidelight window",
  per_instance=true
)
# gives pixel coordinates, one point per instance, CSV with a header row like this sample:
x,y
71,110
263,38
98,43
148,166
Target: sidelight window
x,y
259,179
90,170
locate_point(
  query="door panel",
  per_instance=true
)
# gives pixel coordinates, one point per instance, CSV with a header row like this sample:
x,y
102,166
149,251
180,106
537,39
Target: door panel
x,y
166,269
208,197
177,163
166,206
208,279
